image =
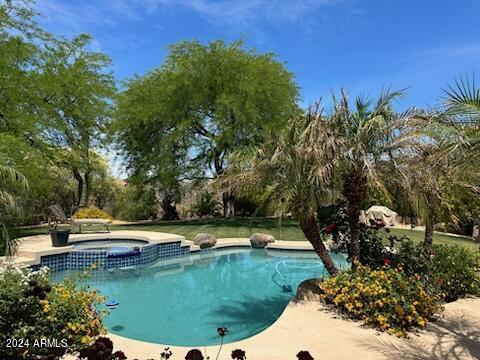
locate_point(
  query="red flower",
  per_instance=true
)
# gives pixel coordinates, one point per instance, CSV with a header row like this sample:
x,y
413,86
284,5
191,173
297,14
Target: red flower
x,y
304,355
438,281
238,354
222,331
387,262
330,228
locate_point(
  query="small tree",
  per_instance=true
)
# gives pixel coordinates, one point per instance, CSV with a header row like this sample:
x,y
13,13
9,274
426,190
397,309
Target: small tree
x,y
296,174
368,134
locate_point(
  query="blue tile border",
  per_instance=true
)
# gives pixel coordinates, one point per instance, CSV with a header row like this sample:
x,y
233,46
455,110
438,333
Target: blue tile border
x,y
83,259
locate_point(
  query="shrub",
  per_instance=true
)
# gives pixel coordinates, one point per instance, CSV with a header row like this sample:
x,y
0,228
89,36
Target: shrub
x,y
92,213
387,299
136,202
455,270
372,250
32,308
206,205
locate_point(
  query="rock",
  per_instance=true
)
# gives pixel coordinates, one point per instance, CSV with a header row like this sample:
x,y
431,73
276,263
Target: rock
x,y
259,240
309,290
204,240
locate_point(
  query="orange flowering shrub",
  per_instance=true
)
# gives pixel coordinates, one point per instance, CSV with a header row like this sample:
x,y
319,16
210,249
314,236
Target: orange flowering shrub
x,y
386,299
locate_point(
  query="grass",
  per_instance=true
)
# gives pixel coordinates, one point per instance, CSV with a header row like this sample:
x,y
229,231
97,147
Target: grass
x,y
244,227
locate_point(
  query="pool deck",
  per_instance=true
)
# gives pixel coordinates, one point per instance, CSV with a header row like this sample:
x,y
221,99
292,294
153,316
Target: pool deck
x,y
308,326
32,248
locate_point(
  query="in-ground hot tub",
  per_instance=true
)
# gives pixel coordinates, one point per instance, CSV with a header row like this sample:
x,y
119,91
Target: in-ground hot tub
x,y
108,244
114,252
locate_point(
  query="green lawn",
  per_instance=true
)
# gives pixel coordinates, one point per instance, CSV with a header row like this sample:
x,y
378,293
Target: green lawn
x,y
244,227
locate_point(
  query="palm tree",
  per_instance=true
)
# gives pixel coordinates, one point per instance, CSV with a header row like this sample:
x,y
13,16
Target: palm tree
x,y
9,208
438,169
367,136
296,173
425,179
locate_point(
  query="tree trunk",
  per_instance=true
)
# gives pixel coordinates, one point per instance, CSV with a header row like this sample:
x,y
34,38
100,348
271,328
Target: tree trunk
x,y
428,239
167,203
309,227
228,204
169,209
355,191
228,198
83,188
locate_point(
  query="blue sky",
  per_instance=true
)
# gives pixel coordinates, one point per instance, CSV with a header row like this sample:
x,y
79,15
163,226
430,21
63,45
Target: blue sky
x,y
363,45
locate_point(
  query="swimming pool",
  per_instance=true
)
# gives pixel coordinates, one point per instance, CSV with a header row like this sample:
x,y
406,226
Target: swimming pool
x,y
183,301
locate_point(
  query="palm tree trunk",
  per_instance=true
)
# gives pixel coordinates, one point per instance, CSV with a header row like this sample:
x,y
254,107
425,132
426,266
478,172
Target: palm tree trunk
x,y
428,239
309,227
355,191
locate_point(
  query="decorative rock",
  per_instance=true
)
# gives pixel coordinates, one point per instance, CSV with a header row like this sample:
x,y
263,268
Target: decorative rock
x,y
259,240
309,290
204,240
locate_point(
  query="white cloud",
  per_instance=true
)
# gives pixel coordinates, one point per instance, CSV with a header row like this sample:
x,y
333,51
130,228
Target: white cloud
x,y
235,13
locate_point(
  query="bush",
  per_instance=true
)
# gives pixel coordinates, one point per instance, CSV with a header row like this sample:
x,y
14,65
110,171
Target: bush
x,y
136,202
455,270
31,308
92,213
386,299
206,205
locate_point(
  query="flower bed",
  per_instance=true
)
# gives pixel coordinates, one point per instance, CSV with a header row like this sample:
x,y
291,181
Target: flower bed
x,y
33,310
386,299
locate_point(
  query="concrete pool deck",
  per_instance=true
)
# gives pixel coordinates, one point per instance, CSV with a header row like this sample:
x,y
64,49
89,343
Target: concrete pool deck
x,y
309,326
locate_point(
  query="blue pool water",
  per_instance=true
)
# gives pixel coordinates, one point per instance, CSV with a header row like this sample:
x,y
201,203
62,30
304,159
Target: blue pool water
x,y
183,301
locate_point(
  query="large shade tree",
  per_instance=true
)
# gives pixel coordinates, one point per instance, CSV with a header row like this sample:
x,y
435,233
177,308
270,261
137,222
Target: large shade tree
x,y
203,103
76,87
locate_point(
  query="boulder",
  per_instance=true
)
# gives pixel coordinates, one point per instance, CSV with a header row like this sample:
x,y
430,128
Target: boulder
x,y
204,240
309,290
259,241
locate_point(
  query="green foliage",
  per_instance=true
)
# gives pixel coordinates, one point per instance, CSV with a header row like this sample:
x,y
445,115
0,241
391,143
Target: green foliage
x,y
372,250
387,299
33,308
207,100
453,269
206,205
136,202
